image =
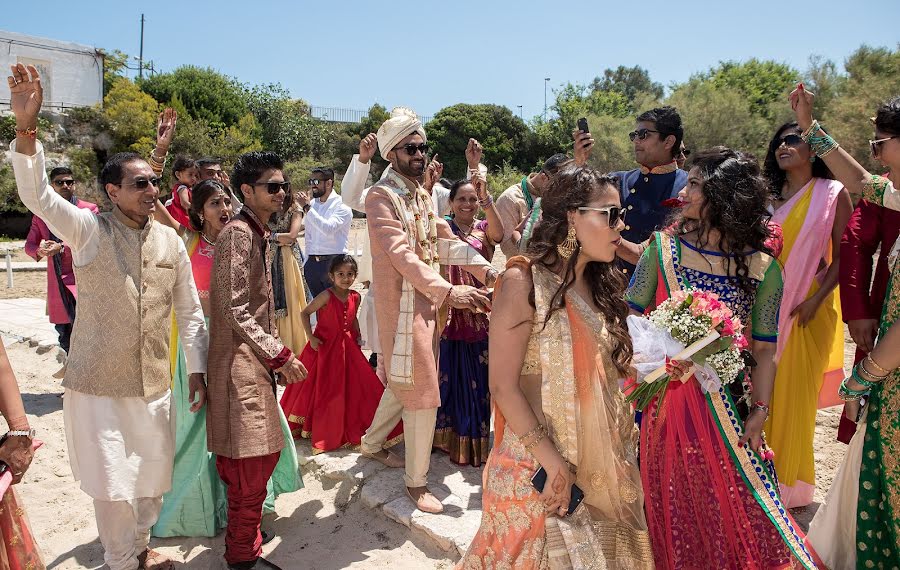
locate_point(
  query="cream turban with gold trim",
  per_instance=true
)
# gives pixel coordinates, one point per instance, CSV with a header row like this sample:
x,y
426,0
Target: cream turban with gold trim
x,y
403,122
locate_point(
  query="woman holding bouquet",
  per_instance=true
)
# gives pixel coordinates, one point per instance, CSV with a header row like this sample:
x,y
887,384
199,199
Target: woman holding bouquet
x,y
712,500
859,524
556,387
812,210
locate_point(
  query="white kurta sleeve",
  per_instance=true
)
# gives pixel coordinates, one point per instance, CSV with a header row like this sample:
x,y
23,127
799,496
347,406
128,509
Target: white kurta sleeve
x,y
353,185
75,226
189,315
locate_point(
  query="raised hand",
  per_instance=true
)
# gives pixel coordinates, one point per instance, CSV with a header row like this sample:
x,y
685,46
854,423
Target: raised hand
x,y
26,95
302,199
802,104
367,147
584,143
474,151
165,128
433,173
480,184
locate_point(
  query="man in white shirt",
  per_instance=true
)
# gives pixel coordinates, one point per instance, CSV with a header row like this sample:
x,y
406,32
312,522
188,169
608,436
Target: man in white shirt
x,y
132,273
327,228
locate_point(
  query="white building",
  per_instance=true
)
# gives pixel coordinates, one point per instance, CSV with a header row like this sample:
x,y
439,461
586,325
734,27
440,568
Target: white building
x,y
72,74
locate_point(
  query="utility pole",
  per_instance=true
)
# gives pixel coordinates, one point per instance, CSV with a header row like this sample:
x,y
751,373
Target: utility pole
x,y
141,56
546,82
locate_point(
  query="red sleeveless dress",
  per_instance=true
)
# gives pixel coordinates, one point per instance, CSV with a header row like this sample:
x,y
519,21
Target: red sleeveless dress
x,y
335,405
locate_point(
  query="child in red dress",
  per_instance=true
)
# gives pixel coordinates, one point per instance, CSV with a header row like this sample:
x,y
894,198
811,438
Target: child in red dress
x,y
186,176
335,405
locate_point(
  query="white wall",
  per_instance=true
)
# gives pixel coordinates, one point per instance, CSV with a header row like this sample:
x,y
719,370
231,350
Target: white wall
x,y
72,74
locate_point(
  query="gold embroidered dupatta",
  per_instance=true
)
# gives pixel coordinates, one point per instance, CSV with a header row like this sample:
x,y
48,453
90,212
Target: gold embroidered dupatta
x,y
594,429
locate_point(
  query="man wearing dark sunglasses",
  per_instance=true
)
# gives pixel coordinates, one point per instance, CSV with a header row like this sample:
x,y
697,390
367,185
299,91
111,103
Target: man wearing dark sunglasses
x,y
657,140
41,243
132,274
246,357
327,223
409,242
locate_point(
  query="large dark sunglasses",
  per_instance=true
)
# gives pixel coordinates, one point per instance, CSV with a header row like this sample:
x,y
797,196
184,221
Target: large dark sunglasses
x,y
790,140
615,213
66,182
143,183
314,181
876,144
640,134
411,149
274,187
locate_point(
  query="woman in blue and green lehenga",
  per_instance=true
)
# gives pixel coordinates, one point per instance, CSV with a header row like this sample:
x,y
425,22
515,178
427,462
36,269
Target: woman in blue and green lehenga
x,y
859,524
711,498
196,503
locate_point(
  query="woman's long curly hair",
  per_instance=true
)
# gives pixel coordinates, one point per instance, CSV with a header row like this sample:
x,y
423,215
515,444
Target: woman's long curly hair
x,y
735,195
773,173
571,188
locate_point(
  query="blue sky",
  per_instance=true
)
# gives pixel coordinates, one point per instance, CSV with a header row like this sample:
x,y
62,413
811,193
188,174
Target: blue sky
x,y
427,55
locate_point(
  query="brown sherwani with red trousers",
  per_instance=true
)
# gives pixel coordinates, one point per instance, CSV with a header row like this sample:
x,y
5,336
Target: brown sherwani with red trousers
x,y
242,423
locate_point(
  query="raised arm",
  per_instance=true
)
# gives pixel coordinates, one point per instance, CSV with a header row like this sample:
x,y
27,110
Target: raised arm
x,y
74,225
495,230
846,170
354,182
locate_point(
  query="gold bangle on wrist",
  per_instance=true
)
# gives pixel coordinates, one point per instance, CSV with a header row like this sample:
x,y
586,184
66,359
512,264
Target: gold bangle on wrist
x,y
878,368
536,441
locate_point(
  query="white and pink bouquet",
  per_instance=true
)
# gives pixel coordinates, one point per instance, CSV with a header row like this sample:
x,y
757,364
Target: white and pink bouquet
x,y
689,325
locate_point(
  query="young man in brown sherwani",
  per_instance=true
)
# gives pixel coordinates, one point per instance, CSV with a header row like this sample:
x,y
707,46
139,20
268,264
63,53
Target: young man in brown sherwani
x,y
246,357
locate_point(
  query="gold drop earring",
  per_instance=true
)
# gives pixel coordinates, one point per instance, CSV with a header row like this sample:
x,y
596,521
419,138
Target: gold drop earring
x,y
568,245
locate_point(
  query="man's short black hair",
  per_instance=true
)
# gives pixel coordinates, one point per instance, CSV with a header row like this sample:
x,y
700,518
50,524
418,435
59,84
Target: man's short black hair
x,y
668,122
555,162
113,170
59,171
327,173
207,161
251,165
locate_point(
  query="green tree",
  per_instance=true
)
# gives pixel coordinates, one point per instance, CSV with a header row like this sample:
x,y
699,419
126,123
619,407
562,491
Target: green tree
x,y
205,93
714,115
114,66
346,142
873,77
760,82
132,116
612,148
503,135
287,126
628,81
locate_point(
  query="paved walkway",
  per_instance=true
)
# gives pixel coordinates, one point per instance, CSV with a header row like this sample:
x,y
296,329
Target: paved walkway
x,y
378,487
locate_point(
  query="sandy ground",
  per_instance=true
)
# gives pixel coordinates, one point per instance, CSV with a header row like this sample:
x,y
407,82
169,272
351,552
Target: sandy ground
x,y
312,531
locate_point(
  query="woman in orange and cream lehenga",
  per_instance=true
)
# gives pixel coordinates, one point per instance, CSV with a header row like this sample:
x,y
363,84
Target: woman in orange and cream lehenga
x,y
557,395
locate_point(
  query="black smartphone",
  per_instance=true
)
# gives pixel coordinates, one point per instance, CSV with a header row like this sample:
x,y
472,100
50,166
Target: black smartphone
x,y
539,479
582,125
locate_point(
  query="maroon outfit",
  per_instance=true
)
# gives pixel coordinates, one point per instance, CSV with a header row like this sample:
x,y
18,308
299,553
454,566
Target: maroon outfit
x,y
869,228
38,232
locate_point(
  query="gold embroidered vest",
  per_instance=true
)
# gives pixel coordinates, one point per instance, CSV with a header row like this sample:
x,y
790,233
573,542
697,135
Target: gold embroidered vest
x,y
120,340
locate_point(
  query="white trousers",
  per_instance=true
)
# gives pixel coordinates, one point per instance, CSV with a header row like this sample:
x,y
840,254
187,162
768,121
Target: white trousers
x,y
418,435
124,528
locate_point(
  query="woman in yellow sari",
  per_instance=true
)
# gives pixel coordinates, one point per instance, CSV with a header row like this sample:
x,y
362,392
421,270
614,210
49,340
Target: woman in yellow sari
x,y
555,382
812,210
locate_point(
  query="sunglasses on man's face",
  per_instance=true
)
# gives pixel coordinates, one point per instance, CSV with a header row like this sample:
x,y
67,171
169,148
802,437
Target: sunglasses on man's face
x,y
640,134
66,182
876,144
144,183
790,140
614,213
315,181
274,187
411,149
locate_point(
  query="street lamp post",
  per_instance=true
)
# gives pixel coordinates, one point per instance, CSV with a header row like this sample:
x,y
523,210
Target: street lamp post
x,y
546,81
520,112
